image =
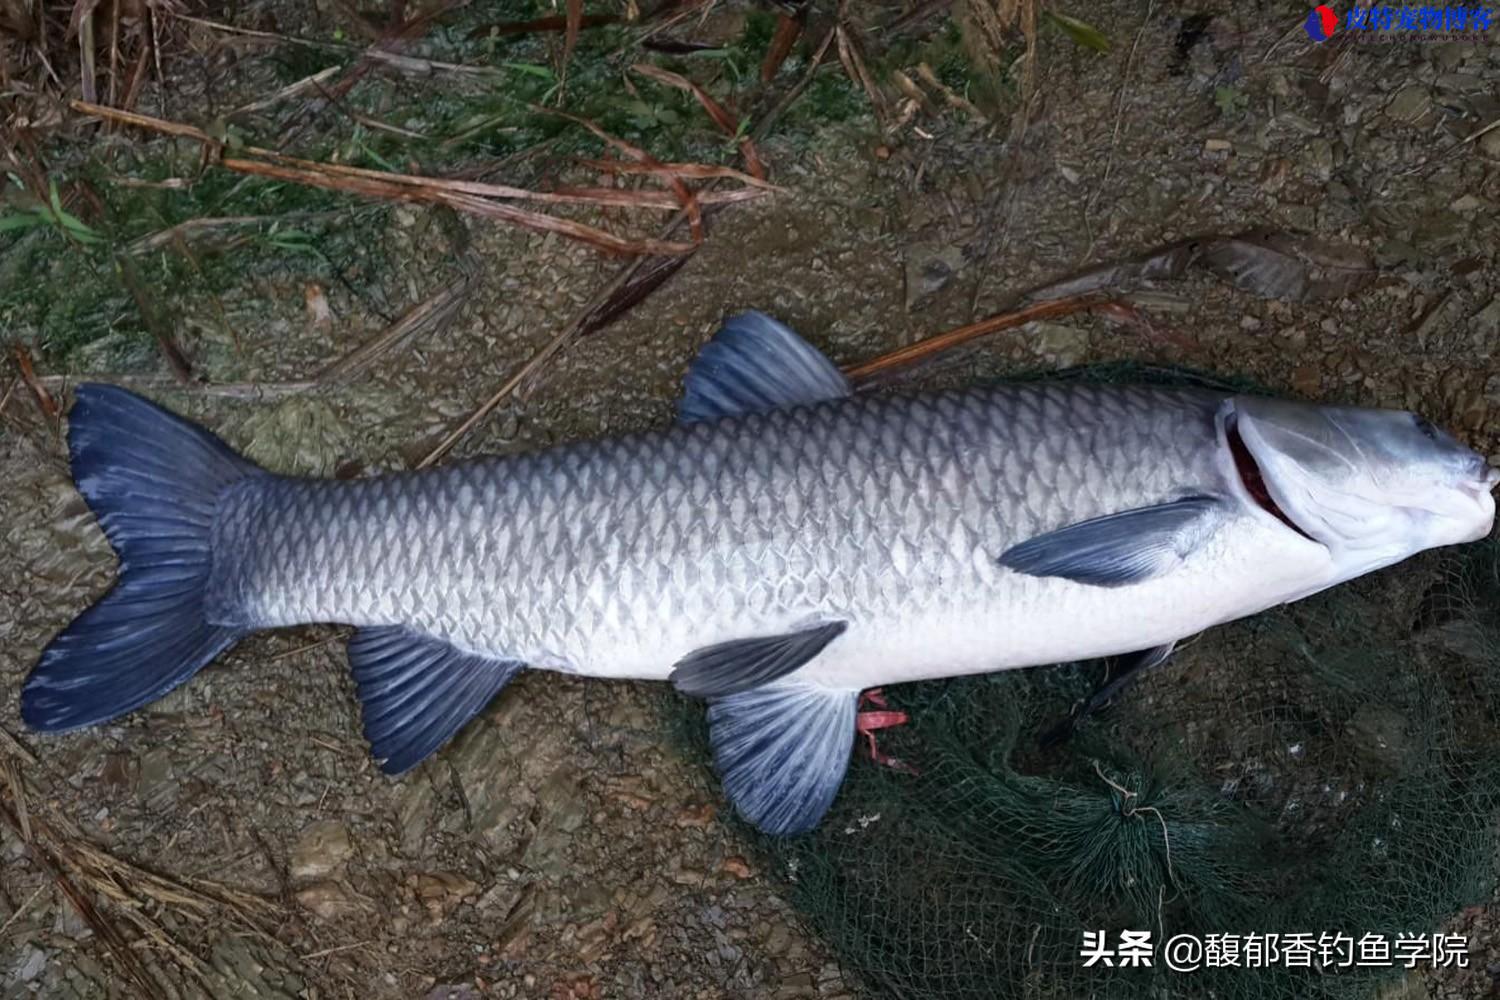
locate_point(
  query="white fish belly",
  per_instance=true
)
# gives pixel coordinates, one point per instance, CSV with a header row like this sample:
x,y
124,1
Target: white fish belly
x,y
1000,620
1034,622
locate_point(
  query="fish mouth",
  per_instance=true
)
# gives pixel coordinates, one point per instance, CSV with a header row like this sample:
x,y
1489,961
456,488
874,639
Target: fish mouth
x,y
1479,492
1480,489
1251,477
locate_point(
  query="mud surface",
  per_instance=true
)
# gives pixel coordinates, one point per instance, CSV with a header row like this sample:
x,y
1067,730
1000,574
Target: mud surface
x,y
564,846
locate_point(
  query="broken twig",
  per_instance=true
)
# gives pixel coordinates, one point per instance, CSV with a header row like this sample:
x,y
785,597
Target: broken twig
x,y
925,350
688,199
432,312
135,970
716,111
28,375
788,30
151,319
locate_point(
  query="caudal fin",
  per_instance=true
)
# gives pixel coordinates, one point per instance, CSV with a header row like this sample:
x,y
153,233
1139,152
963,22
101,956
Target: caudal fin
x,y
153,481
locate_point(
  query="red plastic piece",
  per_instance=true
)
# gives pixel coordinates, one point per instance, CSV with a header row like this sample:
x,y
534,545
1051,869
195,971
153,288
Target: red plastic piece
x,y
866,723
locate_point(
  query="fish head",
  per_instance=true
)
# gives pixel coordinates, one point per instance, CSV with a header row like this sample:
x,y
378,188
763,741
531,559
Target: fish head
x,y
1373,486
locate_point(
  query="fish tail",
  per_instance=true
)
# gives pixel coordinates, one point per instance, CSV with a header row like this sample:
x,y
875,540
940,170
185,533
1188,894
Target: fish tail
x,y
153,480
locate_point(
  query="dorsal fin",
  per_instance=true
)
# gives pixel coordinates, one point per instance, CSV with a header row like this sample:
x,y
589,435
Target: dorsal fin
x,y
754,364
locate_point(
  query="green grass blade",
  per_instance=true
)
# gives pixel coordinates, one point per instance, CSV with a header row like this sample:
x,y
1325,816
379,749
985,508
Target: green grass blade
x,y
1081,32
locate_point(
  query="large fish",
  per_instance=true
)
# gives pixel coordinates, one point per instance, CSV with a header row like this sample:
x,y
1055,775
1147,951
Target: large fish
x,y
785,546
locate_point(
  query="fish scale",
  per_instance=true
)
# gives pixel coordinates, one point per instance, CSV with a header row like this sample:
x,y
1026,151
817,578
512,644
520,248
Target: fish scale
x,y
589,557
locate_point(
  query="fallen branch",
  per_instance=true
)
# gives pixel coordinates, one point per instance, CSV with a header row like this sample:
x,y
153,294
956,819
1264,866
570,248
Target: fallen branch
x,y
477,188
127,884
13,746
628,198
384,49
788,30
913,19
472,197
687,171
572,23
925,350
641,284
166,383
134,969
471,204
954,99
313,82
1267,263
502,191
859,74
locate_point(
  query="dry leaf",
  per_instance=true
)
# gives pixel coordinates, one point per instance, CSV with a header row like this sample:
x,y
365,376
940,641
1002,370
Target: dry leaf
x,y
698,816
318,312
28,375
1272,265
736,866
570,31
651,277
788,30
553,23
1292,268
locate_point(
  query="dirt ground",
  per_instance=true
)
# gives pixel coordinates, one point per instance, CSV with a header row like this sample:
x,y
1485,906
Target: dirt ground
x,y
564,846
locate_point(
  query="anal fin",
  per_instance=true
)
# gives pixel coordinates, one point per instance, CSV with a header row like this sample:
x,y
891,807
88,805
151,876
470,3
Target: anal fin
x,y
782,750
416,691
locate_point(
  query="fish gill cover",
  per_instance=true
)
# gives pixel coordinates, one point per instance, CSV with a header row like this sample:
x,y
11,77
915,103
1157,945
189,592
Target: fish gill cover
x,y
1332,766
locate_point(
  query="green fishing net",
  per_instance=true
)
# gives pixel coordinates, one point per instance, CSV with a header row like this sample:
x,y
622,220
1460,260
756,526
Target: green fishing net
x,y
1328,768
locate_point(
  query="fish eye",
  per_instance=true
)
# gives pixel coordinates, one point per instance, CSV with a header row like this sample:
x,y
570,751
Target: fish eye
x,y
1424,427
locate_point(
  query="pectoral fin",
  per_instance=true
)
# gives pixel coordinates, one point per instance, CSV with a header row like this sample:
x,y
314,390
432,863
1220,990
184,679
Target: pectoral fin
x,y
1119,549
1120,672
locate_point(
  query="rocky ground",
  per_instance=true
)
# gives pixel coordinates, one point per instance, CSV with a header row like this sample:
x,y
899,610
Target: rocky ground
x,y
566,846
